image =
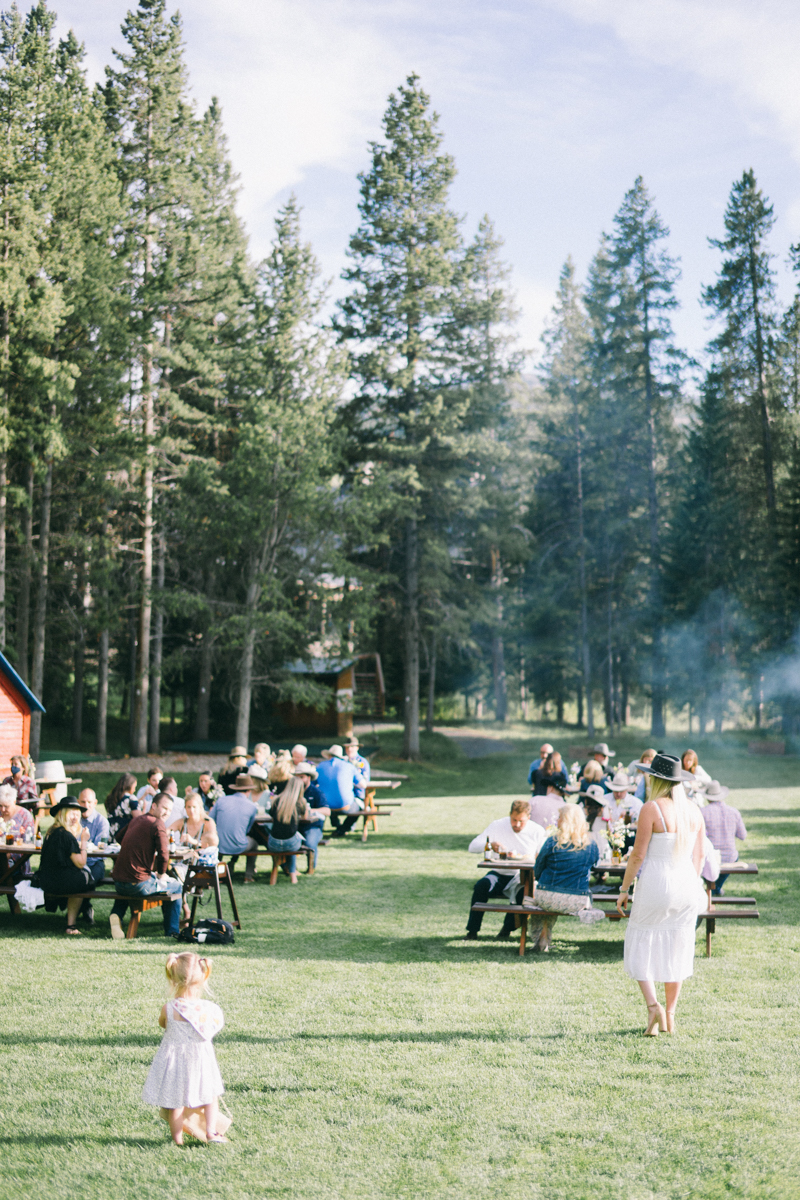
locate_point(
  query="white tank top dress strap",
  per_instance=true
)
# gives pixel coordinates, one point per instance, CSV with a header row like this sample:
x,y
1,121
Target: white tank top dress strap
x,y
663,822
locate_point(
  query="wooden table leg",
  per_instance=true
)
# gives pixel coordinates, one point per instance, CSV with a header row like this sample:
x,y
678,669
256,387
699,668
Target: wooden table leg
x,y
277,859
711,925
523,933
133,924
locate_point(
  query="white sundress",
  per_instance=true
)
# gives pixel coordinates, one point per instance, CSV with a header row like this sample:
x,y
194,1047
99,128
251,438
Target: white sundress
x,y
184,1072
660,936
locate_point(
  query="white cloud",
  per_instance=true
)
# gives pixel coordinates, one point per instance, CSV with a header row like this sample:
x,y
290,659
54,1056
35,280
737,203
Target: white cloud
x,y
752,49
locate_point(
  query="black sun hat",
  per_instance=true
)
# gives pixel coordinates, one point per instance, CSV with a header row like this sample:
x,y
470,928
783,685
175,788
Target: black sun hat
x,y
66,802
665,766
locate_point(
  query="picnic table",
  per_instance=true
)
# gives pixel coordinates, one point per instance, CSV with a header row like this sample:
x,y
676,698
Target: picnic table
x,y
372,809
198,880
745,905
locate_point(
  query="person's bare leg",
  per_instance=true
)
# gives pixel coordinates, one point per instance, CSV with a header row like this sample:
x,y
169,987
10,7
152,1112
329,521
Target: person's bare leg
x,y
671,992
73,908
176,1125
657,1016
211,1111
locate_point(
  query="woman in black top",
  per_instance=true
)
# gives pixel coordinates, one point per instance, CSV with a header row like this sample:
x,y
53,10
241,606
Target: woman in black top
x,y
551,774
62,868
286,811
122,805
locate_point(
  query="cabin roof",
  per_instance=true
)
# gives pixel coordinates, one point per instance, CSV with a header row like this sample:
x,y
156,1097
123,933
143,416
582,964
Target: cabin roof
x,y
319,666
23,689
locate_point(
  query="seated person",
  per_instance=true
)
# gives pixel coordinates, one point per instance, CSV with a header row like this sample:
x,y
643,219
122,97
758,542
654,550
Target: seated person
x,y
723,824
259,779
21,779
359,762
97,825
169,787
562,872
339,781
600,754
151,788
234,815
550,775
545,809
19,822
287,811
280,773
235,766
196,828
62,867
620,803
594,802
208,790
591,773
639,777
141,867
299,754
695,777
262,757
122,805
517,833
544,750
312,824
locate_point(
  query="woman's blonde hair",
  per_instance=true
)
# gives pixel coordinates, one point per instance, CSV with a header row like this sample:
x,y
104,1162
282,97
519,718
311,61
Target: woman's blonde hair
x,y
63,819
287,801
187,972
282,769
593,771
573,828
685,826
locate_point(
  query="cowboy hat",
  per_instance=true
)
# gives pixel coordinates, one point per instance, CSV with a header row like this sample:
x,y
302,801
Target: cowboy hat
x,y
306,768
352,740
665,766
256,772
238,752
602,748
67,802
596,793
243,783
334,752
621,782
714,790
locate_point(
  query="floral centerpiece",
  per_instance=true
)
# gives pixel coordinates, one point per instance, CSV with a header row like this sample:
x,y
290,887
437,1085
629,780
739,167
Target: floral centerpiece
x,y
616,835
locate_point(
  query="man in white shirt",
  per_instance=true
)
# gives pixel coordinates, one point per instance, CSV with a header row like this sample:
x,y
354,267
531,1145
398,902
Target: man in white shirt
x,y
517,833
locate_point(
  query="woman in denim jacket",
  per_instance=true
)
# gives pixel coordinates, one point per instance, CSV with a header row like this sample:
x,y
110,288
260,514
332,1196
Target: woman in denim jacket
x,y
562,871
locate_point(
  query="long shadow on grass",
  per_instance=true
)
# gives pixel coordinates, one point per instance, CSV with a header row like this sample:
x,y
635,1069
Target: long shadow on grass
x,y
70,1139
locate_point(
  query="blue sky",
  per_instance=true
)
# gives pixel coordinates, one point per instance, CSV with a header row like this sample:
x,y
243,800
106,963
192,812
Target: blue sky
x,y
551,108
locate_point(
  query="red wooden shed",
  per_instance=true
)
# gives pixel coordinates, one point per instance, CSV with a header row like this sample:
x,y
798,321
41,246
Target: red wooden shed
x,y
17,702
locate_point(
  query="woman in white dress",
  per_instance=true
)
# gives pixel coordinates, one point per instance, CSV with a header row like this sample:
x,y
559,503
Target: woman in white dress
x,y
659,939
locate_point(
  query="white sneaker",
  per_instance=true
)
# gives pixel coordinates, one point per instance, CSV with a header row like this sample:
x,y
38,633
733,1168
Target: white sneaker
x,y
117,932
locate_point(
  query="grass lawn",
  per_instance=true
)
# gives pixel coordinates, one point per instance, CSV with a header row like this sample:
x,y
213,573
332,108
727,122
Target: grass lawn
x,y
370,1052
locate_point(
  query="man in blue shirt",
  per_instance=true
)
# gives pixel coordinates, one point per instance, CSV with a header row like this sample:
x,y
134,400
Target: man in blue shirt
x,y
311,828
544,750
340,781
97,825
234,816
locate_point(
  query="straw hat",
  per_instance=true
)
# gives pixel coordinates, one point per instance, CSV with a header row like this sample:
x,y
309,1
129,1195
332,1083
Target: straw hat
x,y
306,768
334,752
238,752
621,782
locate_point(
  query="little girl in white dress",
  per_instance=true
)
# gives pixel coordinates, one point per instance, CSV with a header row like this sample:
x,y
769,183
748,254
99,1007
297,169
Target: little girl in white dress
x,y
184,1074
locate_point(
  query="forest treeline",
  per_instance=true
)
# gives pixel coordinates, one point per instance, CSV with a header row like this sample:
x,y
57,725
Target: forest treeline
x,y
209,471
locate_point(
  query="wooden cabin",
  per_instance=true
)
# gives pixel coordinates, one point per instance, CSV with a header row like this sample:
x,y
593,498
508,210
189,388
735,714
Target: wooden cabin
x,y
17,702
356,687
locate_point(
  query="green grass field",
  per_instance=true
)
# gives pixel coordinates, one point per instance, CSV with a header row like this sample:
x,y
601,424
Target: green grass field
x,y
370,1052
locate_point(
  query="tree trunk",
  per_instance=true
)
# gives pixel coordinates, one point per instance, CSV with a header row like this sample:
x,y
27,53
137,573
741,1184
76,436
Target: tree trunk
x,y
498,648
201,722
579,704
411,645
431,685
154,735
141,688
77,689
100,736
132,673
560,708
40,615
246,670
761,387
658,692
523,693
24,595
585,655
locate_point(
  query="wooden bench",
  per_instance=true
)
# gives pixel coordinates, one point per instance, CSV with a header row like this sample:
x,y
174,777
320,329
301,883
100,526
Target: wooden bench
x,y
711,916
278,858
369,815
138,904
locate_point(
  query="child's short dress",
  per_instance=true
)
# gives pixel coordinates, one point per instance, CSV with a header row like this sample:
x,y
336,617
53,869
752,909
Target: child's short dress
x,y
184,1073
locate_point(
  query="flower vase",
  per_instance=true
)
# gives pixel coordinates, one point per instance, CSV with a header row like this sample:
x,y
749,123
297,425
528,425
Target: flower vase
x,y
616,856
